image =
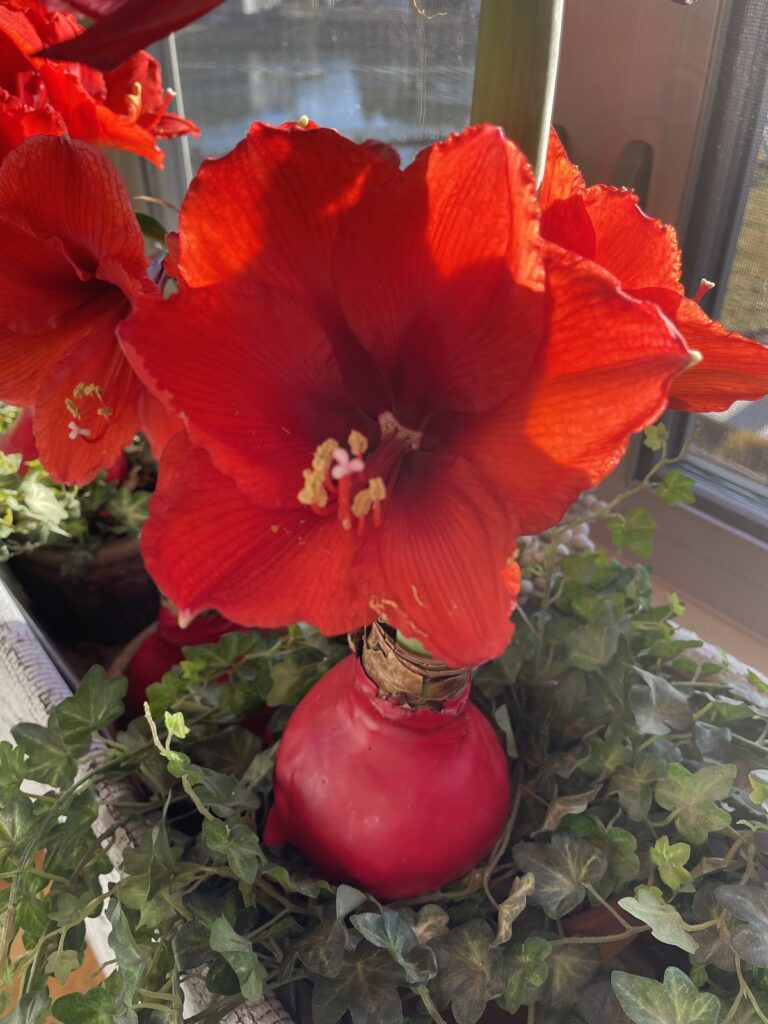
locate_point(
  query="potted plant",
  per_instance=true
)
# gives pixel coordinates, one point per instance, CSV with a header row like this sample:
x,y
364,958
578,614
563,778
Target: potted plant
x,y
420,370
75,550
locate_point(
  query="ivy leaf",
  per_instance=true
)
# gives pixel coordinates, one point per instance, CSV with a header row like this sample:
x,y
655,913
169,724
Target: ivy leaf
x,y
502,719
430,923
322,950
11,765
132,959
715,942
633,786
749,905
676,1000
61,963
666,924
16,821
561,868
634,531
470,973
348,899
239,845
657,706
670,860
366,987
758,780
655,437
570,969
619,847
526,970
389,931
512,907
564,805
49,759
692,796
593,645
33,1008
175,724
97,702
96,1006
239,954
676,489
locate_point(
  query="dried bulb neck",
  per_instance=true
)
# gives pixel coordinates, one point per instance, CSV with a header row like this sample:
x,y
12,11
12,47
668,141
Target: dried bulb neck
x,y
405,675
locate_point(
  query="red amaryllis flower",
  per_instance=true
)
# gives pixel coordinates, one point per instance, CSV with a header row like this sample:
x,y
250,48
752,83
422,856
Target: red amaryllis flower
x,y
71,263
123,26
125,109
607,225
386,377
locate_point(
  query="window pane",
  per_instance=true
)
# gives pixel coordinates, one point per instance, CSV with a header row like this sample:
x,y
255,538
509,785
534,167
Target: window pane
x,y
369,68
733,445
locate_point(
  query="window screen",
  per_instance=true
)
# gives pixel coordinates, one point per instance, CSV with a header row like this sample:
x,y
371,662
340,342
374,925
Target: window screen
x,y
369,68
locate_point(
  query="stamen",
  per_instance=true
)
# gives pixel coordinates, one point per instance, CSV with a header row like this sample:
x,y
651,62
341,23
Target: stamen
x,y
133,98
83,409
357,442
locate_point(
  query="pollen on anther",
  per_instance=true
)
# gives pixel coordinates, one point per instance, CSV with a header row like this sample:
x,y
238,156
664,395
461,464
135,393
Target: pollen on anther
x,y
357,443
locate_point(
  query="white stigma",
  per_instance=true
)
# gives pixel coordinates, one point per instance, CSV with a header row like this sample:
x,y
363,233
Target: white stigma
x,y
345,464
75,431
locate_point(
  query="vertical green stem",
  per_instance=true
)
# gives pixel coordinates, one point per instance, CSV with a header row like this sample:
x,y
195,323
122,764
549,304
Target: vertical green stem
x,y
518,45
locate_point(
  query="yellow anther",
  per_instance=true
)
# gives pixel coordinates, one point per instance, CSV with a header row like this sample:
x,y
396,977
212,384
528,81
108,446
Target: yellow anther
x,y
323,457
362,503
134,96
303,121
313,492
357,443
72,407
104,411
377,489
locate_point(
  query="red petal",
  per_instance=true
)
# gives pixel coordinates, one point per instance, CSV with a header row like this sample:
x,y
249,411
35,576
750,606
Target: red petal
x,y
97,359
259,403
640,251
605,374
91,121
156,422
257,567
18,123
607,225
437,273
732,369
58,188
442,552
274,205
126,26
141,74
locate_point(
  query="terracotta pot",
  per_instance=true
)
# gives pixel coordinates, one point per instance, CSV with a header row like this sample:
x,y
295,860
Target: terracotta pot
x,y
598,921
109,604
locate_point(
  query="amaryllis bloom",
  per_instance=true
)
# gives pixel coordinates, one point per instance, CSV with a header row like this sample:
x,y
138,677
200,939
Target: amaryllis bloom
x,y
607,225
123,26
125,109
386,377
71,265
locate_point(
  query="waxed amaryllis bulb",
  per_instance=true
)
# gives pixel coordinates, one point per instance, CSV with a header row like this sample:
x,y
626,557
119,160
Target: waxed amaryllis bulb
x,y
393,799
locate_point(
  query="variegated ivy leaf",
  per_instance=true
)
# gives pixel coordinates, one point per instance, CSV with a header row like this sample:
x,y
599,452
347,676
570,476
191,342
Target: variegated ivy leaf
x,y
666,924
749,906
633,784
562,868
564,805
714,942
570,968
670,861
471,971
526,970
676,1000
758,780
692,796
657,706
512,907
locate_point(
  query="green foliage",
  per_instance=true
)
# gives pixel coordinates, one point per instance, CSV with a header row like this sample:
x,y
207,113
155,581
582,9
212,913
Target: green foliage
x,y
35,511
632,755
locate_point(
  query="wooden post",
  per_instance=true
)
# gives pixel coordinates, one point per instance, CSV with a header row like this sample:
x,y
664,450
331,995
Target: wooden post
x,y
518,46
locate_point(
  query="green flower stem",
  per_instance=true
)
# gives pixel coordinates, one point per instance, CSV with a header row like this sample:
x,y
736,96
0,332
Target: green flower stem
x,y
587,940
518,45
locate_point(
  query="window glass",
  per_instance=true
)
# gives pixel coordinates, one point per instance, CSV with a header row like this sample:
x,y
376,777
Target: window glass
x,y
734,444
369,68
